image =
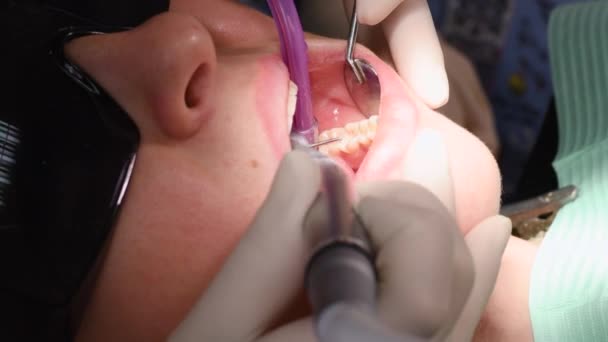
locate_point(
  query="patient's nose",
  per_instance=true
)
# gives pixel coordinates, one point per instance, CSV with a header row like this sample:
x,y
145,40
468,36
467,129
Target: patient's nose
x,y
161,72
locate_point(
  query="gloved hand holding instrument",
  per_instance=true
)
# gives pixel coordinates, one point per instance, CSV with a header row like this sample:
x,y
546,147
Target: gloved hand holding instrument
x,y
413,42
432,283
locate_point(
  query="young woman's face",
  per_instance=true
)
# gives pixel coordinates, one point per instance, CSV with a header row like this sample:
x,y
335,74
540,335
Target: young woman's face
x,y
207,89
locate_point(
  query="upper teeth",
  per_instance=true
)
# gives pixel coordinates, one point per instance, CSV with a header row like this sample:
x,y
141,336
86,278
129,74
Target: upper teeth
x,y
292,99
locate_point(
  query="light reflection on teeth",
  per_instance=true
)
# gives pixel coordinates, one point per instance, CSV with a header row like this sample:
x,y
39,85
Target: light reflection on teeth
x,y
350,146
292,99
373,122
363,127
365,140
371,134
355,137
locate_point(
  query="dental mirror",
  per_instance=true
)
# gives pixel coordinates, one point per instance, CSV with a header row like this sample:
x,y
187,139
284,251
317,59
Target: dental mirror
x,y
360,77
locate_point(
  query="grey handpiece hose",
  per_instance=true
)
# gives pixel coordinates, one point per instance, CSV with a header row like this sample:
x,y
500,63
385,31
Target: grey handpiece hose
x,y
341,277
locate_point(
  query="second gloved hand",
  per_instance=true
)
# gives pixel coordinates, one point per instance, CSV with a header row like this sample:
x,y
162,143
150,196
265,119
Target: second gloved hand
x,y
413,42
454,314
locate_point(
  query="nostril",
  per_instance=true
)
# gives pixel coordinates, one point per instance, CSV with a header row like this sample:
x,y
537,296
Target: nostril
x,y
198,86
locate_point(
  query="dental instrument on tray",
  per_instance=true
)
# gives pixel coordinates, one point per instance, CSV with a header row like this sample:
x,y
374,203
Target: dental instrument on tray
x,y
531,216
360,77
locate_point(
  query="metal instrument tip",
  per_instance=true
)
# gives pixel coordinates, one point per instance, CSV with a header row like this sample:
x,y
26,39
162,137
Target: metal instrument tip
x,y
324,142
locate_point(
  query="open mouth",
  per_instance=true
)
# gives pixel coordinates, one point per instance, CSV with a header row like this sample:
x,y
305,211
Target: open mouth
x,y
372,146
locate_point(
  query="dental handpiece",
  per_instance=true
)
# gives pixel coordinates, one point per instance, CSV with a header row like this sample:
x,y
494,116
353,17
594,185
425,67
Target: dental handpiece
x,y
340,278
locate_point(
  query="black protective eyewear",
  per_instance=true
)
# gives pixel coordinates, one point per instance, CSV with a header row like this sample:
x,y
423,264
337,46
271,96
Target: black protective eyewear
x,y
66,153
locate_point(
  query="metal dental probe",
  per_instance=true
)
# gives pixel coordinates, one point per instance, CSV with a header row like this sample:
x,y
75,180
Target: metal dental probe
x,y
324,142
360,77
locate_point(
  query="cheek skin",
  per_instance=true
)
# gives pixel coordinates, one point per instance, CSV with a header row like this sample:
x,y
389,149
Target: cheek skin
x,y
175,230
186,208
475,174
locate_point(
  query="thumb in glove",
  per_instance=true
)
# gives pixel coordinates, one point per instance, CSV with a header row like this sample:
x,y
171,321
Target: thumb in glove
x,y
427,165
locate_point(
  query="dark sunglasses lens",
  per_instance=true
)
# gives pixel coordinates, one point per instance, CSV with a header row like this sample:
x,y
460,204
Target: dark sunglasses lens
x,y
66,151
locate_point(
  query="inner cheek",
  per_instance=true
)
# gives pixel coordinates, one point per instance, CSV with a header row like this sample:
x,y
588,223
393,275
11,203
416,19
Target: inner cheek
x,y
270,86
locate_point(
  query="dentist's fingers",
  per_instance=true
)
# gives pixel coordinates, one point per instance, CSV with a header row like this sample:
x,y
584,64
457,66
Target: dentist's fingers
x,y
424,267
487,242
371,12
302,330
427,164
416,51
265,272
